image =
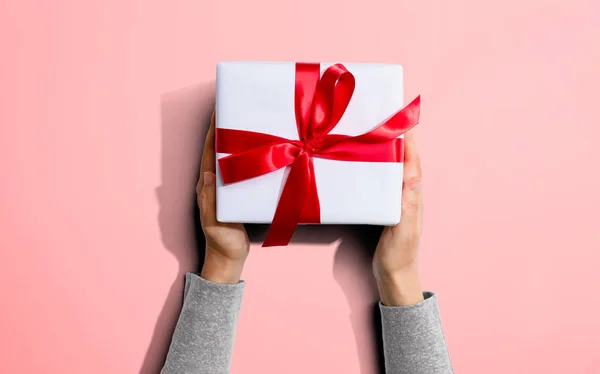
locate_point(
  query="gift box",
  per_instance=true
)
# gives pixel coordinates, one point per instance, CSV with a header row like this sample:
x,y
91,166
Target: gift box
x,y
306,143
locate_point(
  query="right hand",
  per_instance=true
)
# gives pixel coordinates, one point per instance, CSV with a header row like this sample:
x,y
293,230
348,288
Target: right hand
x,y
395,263
227,244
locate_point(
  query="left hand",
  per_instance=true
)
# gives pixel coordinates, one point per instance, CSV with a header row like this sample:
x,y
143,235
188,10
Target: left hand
x,y
227,244
395,263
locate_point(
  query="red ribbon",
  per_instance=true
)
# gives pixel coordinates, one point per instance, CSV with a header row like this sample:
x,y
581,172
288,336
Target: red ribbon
x,y
319,105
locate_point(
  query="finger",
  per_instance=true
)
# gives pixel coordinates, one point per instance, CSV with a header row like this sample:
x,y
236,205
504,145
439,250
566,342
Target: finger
x,y
409,228
207,199
208,154
412,161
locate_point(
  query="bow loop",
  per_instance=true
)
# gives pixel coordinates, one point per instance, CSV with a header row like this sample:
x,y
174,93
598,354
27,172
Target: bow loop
x,y
332,96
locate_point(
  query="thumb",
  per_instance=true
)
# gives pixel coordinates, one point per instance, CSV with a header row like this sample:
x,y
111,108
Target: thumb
x,y
207,199
408,231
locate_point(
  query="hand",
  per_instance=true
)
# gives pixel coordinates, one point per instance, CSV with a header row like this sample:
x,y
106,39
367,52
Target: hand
x,y
395,261
227,244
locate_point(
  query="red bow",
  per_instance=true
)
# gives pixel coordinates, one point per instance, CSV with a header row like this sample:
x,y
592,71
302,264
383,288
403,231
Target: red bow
x,y
319,105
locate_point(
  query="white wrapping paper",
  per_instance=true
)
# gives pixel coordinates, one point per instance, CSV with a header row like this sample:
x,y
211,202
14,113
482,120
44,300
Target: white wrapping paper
x,y
259,96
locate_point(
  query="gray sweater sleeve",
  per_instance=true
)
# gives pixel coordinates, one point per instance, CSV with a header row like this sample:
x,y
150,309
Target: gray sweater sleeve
x,y
203,339
413,339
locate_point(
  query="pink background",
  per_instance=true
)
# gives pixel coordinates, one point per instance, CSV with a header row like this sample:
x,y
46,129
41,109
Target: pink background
x,y
103,105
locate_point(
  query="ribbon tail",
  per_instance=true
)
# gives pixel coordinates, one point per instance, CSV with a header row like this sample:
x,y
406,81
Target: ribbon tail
x,y
378,145
311,211
291,202
399,123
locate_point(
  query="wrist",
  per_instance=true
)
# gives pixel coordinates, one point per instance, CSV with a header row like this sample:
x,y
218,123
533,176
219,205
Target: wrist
x,y
221,269
400,287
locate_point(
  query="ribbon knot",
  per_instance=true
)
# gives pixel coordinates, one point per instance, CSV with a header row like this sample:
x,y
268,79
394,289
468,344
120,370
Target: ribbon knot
x,y
309,147
320,103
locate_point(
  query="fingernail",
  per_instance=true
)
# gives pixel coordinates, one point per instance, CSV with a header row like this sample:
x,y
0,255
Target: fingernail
x,y
208,178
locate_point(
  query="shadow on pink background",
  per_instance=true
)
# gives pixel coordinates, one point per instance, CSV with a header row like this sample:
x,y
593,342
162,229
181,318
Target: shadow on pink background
x,y
103,109
185,115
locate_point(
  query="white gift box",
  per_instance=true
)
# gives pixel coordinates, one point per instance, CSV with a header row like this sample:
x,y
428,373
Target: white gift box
x,y
259,97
